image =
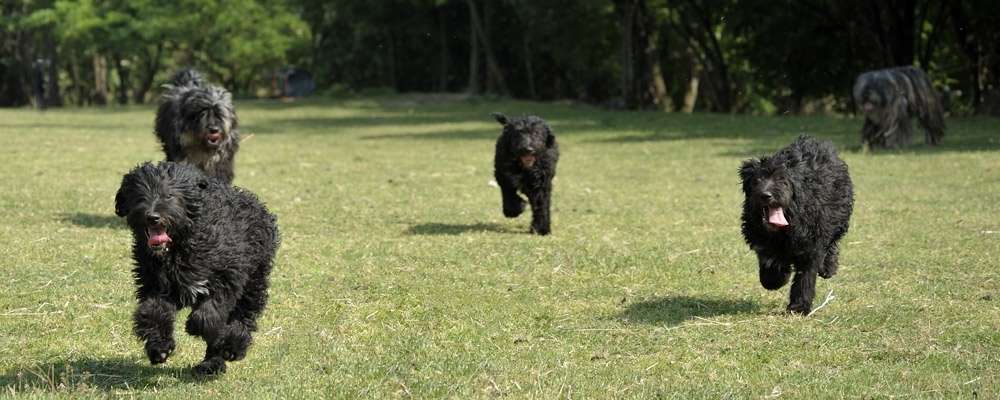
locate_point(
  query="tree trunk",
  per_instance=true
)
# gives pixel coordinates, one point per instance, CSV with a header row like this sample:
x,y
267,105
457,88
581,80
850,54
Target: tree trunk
x,y
77,83
626,17
124,77
52,92
643,86
526,40
150,67
100,96
443,58
973,50
658,88
391,50
691,95
473,52
492,68
652,78
697,27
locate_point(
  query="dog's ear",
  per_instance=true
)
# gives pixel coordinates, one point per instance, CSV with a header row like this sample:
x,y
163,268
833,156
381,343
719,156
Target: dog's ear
x,y
749,169
550,138
121,204
502,119
748,172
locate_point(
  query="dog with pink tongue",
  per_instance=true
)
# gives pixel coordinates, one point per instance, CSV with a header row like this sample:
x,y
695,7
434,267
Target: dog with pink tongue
x,y
798,204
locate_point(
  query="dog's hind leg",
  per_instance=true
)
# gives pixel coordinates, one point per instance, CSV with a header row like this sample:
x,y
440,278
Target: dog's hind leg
x,y
829,267
154,323
243,319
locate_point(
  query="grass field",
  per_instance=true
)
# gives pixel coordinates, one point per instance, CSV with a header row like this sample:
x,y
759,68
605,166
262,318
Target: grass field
x,y
398,275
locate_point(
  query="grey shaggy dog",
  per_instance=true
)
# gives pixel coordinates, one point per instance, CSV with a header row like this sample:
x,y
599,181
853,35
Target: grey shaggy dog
x,y
525,161
890,98
196,123
198,243
797,207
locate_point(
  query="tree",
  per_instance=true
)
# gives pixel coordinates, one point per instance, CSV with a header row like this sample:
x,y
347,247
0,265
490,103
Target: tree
x,y
702,24
642,81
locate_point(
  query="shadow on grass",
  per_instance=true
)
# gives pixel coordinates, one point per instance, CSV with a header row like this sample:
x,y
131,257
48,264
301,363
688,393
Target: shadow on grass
x,y
435,228
86,220
675,310
108,376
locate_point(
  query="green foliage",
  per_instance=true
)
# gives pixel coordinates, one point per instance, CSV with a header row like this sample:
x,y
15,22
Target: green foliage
x,y
777,57
398,276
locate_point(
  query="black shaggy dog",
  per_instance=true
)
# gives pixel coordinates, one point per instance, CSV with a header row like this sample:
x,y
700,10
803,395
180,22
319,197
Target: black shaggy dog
x,y
798,205
525,161
196,123
199,243
890,98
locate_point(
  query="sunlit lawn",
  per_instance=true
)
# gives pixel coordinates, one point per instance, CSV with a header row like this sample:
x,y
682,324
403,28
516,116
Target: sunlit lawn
x,y
398,275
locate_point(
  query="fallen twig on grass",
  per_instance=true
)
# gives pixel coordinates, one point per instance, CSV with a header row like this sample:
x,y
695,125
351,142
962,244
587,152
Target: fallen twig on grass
x,y
829,296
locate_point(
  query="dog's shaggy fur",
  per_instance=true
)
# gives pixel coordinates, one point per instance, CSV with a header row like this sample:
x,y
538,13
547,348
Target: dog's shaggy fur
x,y
525,161
890,98
196,123
199,243
798,205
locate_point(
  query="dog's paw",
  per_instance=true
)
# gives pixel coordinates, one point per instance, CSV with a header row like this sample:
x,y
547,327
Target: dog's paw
x,y
773,278
211,366
827,271
158,352
514,210
799,308
540,230
235,345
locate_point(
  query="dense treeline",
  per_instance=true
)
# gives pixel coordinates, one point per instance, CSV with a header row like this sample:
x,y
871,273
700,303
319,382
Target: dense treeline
x,y
761,56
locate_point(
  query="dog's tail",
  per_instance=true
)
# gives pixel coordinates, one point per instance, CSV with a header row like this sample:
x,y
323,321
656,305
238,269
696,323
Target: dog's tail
x,y
187,77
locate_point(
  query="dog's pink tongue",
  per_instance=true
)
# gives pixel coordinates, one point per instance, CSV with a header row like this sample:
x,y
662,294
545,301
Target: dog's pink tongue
x,y
528,158
776,216
868,106
213,136
158,236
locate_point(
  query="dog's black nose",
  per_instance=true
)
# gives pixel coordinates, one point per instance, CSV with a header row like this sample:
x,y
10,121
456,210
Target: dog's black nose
x,y
766,196
153,218
213,129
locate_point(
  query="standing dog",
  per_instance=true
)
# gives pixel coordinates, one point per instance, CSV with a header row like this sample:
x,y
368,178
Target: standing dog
x,y
198,243
525,161
890,98
196,123
797,207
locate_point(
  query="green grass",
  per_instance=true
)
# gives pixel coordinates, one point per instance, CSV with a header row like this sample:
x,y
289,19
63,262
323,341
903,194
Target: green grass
x,y
398,275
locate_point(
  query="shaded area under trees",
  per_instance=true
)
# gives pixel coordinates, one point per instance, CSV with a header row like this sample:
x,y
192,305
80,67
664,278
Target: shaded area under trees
x,y
767,57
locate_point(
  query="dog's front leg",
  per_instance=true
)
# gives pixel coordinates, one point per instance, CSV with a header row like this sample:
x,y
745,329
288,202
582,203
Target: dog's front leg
x,y
774,272
154,323
804,284
513,204
540,197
